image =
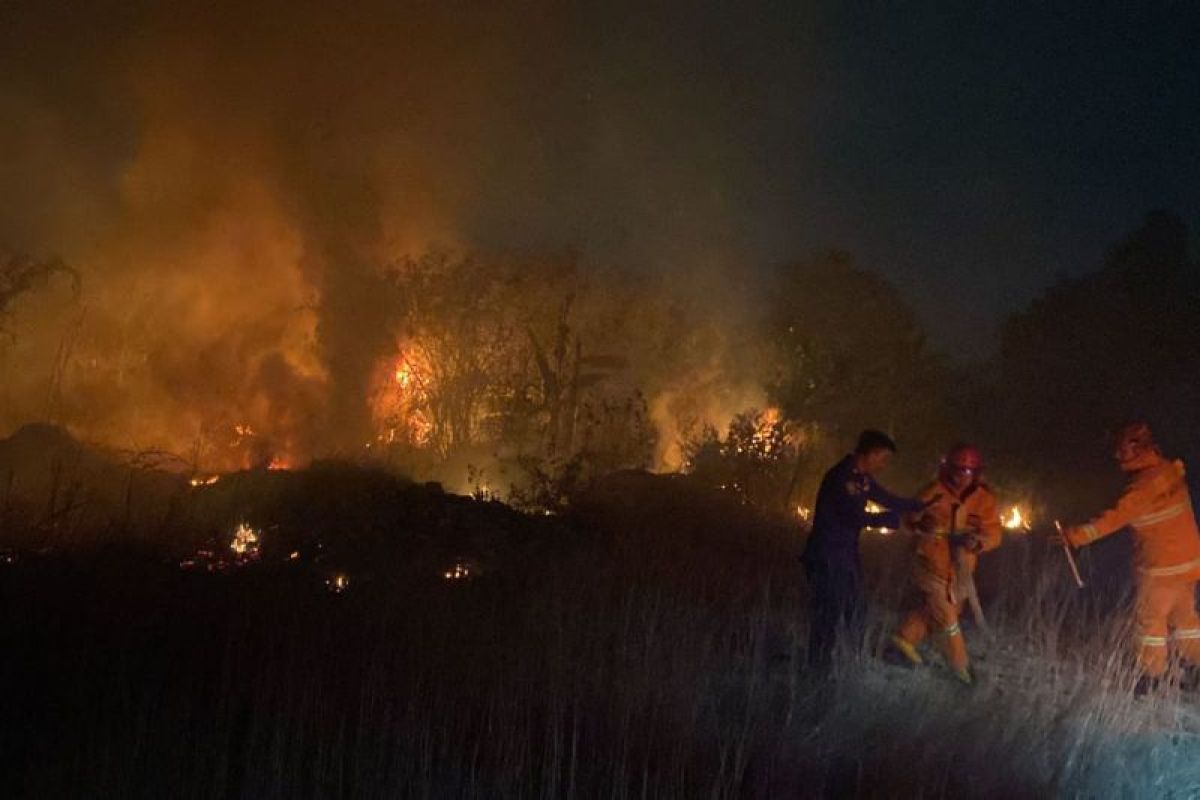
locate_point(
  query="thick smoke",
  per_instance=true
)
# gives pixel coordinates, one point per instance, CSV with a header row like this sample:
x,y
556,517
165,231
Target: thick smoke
x,y
228,182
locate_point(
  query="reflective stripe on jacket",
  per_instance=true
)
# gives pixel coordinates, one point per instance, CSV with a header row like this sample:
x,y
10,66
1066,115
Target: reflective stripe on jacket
x,y
932,551
1156,504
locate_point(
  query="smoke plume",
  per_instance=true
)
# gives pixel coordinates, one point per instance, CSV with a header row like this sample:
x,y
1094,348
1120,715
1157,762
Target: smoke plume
x,y
229,180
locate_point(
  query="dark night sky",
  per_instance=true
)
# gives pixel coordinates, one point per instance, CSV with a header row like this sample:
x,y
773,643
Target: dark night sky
x,y
970,152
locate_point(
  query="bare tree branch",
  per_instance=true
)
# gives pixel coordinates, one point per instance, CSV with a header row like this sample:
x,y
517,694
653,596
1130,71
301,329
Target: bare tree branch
x,y
21,274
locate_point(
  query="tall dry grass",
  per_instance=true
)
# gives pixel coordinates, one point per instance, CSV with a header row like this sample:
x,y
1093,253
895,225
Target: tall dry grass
x,y
660,654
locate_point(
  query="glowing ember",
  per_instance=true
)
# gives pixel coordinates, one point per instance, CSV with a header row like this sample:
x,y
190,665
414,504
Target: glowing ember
x,y
804,513
278,463
459,572
874,508
765,431
338,582
421,427
1015,520
204,559
246,542
207,480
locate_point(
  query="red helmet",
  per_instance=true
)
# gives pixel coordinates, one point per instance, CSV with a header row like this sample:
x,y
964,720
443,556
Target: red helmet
x,y
962,459
1132,442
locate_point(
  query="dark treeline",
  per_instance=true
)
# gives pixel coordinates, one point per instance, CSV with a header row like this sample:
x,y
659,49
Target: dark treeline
x,y
1119,342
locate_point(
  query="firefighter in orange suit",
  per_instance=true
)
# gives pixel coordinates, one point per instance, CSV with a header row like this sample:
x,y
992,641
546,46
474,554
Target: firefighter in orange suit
x,y
1156,504
962,522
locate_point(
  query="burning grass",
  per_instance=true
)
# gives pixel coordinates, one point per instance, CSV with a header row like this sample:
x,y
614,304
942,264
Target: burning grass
x,y
649,642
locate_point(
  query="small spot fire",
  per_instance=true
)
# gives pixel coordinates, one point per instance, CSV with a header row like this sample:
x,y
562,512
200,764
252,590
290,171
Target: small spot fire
x,y
204,480
244,548
461,571
246,544
337,583
874,508
1016,520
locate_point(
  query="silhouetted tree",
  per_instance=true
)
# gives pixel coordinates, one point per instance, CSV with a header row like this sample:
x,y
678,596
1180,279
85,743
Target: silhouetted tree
x,y
21,274
1094,350
850,354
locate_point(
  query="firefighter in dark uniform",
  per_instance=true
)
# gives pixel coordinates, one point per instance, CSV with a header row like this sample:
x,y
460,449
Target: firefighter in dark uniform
x,y
831,558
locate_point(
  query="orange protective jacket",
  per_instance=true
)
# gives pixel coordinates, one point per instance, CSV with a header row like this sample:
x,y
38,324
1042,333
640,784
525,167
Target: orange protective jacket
x,y
933,554
1156,504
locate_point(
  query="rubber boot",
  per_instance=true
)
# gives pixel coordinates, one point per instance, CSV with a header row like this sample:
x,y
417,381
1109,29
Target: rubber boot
x,y
1146,685
955,651
906,649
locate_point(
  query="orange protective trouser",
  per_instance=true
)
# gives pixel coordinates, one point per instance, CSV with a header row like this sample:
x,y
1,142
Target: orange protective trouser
x,y
936,609
1166,608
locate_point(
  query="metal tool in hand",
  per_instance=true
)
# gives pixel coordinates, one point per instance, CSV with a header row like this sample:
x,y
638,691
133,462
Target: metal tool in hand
x,y
1070,556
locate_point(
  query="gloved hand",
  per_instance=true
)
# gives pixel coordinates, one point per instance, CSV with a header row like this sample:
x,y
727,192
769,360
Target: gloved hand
x,y
926,524
967,540
1057,537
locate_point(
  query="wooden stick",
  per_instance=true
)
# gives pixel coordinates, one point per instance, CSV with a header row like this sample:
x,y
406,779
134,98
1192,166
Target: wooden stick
x,y
1070,557
967,582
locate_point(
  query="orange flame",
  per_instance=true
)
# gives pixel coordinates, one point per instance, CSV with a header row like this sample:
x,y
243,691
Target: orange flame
x,y
400,403
208,480
1016,520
